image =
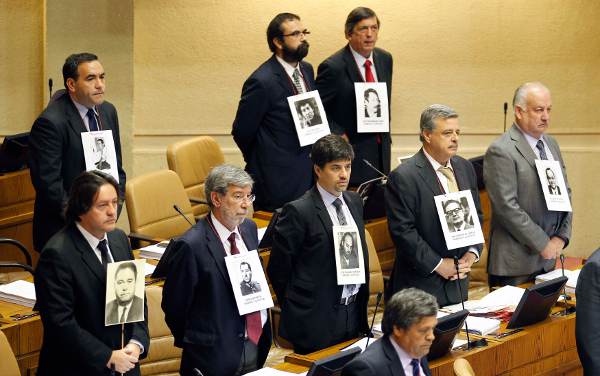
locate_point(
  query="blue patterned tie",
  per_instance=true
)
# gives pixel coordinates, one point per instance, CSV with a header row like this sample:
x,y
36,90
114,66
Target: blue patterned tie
x,y
92,122
415,366
542,150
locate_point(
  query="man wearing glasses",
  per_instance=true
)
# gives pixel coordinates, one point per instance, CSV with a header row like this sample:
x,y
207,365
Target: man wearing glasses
x,y
264,128
198,299
358,61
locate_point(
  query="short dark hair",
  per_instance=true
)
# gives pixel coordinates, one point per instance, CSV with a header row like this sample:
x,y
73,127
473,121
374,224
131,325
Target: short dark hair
x,y
357,15
71,64
407,307
369,91
448,202
245,263
83,192
330,148
274,28
127,265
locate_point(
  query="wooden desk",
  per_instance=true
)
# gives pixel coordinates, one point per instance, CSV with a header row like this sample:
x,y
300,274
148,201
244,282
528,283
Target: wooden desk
x,y
546,348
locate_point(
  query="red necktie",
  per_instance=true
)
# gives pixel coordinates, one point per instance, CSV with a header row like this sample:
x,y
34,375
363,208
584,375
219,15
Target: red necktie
x,y
253,323
370,78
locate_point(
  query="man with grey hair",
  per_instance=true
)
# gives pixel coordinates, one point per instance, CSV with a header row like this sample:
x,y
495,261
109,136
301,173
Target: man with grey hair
x,y
409,319
422,258
198,299
525,237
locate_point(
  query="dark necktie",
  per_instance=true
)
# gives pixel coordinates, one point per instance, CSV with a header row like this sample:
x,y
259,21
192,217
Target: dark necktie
x,y
297,85
368,72
103,252
340,213
122,320
542,150
415,367
92,122
253,322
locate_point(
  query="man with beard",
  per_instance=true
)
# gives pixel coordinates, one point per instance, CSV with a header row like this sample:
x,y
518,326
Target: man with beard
x,y
423,259
264,128
358,61
126,307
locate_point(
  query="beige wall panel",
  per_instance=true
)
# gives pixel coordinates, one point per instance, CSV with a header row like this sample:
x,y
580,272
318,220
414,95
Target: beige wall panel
x,y
21,64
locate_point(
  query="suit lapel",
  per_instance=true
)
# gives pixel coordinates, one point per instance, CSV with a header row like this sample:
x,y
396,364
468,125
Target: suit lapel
x,y
87,254
217,251
323,214
351,67
460,174
75,120
394,361
119,251
247,237
382,72
282,77
522,145
426,172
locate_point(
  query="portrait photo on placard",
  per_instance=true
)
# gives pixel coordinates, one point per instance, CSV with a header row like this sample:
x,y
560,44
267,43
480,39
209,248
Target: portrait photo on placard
x,y
371,107
348,255
99,152
309,117
124,292
553,185
459,219
248,282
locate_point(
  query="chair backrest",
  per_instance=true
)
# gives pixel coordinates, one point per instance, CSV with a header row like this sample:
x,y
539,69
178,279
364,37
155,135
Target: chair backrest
x,y
163,358
376,276
463,368
150,199
192,160
8,365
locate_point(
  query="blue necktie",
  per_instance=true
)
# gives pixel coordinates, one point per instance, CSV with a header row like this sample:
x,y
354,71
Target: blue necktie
x,y
415,366
92,122
542,150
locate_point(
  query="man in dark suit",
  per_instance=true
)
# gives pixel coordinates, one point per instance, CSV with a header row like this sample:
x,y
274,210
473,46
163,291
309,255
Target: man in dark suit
x,y
264,128
409,319
70,285
525,237
316,311
126,307
422,258
198,298
359,61
56,151
587,324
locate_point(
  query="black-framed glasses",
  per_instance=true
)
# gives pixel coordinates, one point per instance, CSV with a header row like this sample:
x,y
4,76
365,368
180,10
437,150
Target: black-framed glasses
x,y
297,33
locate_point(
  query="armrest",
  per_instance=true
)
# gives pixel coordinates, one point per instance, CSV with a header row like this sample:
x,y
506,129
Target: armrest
x,y
8,264
197,200
19,246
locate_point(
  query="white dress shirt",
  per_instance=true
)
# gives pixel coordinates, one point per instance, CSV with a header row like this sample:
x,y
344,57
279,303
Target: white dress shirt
x,y
532,141
405,359
83,113
289,69
360,61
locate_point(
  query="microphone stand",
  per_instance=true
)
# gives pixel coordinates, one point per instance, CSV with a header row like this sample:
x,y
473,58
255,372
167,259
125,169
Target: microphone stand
x,y
505,110
183,215
370,334
477,343
566,297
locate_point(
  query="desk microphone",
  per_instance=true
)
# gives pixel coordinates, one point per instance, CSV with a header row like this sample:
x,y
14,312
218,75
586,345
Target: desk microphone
x,y
370,334
565,296
50,82
373,167
181,214
477,343
505,110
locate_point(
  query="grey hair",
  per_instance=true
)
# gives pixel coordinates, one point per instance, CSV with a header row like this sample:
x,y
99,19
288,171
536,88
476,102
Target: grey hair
x,y
520,97
406,308
433,112
221,177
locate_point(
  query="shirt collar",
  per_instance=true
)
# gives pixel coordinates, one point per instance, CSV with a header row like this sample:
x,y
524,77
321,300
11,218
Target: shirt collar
x,y
327,197
532,141
435,164
289,69
360,59
222,231
83,110
91,239
405,359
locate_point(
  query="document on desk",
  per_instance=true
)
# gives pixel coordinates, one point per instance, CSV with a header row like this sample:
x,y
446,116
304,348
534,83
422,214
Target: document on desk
x,y
573,275
148,269
507,296
481,325
267,371
154,251
18,292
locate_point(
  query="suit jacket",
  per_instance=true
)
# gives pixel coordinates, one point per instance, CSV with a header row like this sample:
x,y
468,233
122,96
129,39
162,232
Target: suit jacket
x,y
56,159
70,286
521,224
416,230
135,312
199,303
335,80
303,273
249,288
264,131
380,359
587,324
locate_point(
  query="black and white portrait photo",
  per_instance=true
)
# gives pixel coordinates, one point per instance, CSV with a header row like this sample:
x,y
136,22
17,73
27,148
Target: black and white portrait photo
x,y
372,110
247,285
348,251
457,215
372,104
124,302
308,112
553,188
101,163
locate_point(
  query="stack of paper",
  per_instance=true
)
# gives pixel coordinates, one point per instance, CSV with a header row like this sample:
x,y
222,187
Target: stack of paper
x,y
481,325
18,292
267,371
154,251
573,275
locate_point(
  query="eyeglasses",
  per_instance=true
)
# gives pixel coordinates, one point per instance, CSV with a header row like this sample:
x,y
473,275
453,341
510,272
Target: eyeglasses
x,y
453,211
297,33
240,197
